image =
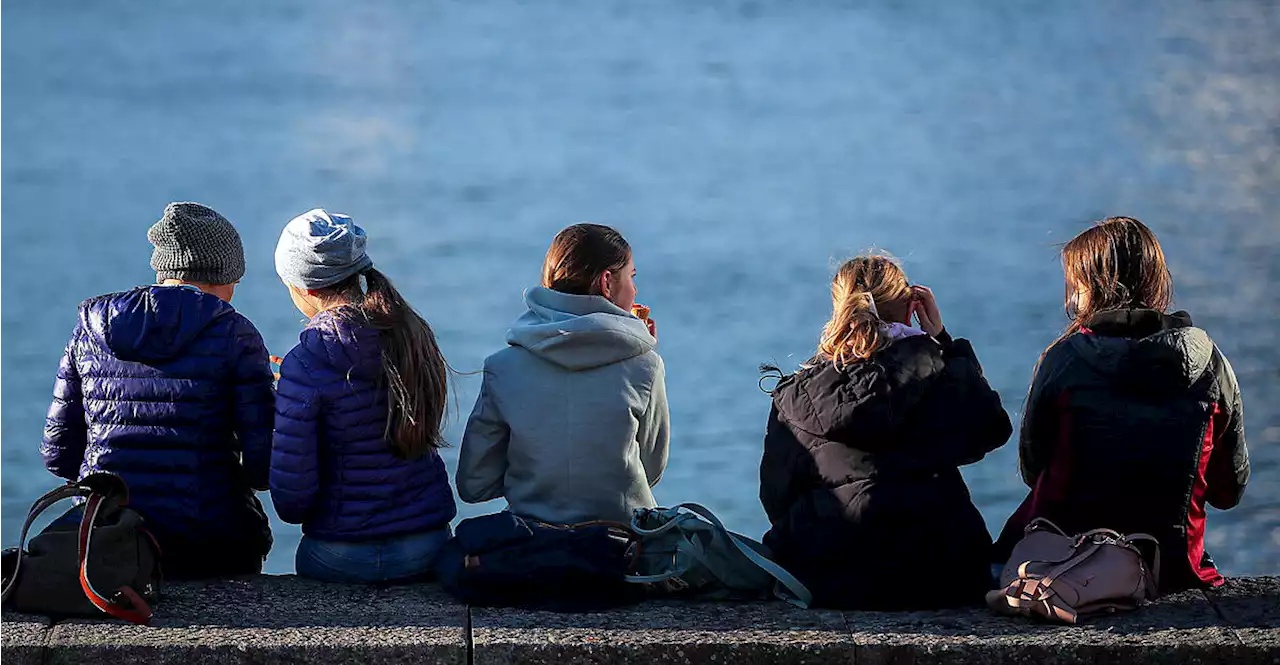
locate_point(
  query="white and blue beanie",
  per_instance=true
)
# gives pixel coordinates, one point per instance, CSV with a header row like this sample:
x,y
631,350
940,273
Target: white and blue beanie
x,y
319,249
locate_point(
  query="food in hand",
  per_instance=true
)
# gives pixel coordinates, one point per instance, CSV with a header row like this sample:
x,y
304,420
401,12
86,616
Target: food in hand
x,y
640,311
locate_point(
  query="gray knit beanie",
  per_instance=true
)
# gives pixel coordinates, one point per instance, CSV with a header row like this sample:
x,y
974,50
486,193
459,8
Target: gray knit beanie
x,y
319,249
195,244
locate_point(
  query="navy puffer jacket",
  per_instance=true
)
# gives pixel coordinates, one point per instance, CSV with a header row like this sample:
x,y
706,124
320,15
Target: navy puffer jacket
x,y
167,387
332,470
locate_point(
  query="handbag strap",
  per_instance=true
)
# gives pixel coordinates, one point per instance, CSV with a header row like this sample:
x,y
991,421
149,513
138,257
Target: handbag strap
x,y
42,504
1043,523
141,612
1079,558
1109,533
1028,594
1153,580
796,592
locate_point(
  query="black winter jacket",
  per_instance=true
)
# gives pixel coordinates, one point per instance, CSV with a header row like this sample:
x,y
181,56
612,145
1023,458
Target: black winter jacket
x,y
1133,424
860,480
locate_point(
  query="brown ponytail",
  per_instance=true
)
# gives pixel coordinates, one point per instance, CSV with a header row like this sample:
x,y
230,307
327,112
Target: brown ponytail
x,y
415,371
863,288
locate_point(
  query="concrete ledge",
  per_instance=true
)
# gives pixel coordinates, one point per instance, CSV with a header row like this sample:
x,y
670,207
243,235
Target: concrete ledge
x,y
667,632
265,619
24,638
270,619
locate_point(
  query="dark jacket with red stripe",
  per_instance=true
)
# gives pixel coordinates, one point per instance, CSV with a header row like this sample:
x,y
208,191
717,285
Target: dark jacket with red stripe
x,y
1133,424
860,476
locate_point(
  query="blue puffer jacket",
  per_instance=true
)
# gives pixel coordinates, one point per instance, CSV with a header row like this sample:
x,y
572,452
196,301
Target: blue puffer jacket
x,y
332,471
167,387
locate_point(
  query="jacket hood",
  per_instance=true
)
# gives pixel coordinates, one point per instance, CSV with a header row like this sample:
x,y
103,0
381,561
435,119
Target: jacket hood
x,y
151,323
1144,348
344,342
578,332
864,401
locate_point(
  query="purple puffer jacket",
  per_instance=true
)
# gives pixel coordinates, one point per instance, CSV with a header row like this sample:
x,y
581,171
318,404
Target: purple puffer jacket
x,y
167,387
331,469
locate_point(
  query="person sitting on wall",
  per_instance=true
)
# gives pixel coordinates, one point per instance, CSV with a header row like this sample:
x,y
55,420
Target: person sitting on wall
x,y
361,400
860,475
169,387
1134,419
571,424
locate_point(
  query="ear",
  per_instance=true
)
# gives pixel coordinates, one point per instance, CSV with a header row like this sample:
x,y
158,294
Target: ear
x,y
606,284
311,292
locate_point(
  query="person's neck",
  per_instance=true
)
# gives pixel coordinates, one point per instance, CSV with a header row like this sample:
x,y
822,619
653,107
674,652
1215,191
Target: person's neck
x,y
331,305
178,282
334,304
220,291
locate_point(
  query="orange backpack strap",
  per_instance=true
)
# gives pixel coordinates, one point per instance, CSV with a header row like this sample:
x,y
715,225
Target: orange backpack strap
x,y
140,612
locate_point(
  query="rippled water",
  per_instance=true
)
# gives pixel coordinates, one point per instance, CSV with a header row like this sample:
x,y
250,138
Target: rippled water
x,y
743,148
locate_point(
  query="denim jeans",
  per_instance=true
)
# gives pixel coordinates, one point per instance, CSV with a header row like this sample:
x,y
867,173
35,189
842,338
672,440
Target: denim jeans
x,y
398,559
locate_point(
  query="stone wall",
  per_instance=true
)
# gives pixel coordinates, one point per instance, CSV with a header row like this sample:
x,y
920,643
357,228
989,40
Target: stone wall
x,y
284,619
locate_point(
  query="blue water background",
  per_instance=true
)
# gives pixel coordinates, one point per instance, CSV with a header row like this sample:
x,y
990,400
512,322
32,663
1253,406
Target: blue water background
x,y
744,148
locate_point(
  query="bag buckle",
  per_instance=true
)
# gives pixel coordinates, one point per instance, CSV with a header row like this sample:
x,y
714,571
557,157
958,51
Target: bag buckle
x,y
1098,538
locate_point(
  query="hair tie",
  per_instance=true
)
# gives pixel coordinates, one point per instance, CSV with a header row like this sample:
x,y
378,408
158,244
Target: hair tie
x,y
871,304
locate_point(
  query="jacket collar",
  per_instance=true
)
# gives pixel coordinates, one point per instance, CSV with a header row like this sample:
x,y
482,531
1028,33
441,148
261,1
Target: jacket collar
x,y
1134,322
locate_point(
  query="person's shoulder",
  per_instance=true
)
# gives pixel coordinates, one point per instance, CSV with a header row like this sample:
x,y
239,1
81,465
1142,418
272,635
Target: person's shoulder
x,y
99,300
240,324
650,361
911,358
101,305
511,359
234,331
1063,348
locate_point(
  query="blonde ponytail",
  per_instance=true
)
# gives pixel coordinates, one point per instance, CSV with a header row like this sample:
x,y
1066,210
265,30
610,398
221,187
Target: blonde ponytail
x,y
862,287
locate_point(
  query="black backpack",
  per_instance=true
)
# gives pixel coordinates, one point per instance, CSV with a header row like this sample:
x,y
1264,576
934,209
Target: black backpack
x,y
105,563
502,560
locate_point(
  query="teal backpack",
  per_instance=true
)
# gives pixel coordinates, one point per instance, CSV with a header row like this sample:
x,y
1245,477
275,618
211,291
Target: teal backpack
x,y
686,548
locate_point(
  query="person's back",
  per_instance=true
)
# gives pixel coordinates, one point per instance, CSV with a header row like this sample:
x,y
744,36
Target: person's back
x,y
860,475
168,387
334,471
360,402
571,422
1133,423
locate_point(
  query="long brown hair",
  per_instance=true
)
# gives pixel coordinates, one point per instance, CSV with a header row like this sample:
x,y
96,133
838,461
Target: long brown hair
x,y
1118,264
864,286
579,255
414,370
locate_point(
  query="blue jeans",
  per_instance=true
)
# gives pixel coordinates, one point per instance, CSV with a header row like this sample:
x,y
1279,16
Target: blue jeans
x,y
398,559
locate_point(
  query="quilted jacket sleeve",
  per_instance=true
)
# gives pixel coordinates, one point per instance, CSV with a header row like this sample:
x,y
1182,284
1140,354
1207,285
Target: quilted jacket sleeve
x,y
295,472
254,403
654,433
482,462
1228,469
65,431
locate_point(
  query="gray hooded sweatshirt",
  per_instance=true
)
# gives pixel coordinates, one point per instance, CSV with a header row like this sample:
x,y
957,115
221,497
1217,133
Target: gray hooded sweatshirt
x,y
571,424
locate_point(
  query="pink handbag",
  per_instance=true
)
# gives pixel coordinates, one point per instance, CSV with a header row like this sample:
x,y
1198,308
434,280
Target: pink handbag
x,y
1066,579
